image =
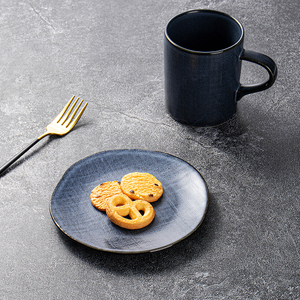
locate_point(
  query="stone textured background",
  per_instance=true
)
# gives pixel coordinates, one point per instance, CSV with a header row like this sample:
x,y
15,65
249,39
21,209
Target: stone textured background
x,y
111,54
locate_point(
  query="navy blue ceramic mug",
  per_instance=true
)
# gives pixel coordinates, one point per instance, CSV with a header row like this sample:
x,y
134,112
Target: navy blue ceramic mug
x,y
203,53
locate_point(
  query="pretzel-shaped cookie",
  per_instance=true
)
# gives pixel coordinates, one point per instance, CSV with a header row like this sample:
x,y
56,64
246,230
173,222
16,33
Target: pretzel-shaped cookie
x,y
120,207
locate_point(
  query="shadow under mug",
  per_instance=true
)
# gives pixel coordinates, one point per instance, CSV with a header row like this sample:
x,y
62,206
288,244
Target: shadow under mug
x,y
203,53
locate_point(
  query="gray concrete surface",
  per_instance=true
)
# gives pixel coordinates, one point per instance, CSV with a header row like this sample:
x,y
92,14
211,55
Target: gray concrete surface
x,y
110,53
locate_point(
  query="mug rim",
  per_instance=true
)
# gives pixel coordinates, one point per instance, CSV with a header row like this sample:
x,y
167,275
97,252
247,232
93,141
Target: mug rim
x,y
239,41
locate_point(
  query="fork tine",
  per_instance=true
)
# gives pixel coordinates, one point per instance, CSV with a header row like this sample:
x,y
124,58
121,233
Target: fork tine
x,y
65,117
78,117
58,117
73,114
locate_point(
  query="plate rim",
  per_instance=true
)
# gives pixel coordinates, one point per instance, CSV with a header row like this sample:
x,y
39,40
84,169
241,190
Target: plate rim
x,y
122,251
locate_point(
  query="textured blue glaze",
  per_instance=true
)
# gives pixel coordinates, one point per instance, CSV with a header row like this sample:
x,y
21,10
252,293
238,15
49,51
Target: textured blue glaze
x,y
202,62
201,89
179,212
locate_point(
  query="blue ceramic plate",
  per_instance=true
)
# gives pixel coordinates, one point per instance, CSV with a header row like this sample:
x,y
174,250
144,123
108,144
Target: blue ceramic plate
x,y
178,213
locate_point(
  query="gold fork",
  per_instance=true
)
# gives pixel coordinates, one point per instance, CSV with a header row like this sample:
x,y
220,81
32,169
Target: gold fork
x,y
61,125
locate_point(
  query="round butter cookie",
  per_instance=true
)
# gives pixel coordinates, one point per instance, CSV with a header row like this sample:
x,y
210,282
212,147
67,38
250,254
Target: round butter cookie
x,y
104,191
124,212
142,186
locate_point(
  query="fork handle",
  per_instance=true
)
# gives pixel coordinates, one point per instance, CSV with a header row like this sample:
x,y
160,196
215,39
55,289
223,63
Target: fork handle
x,y
17,156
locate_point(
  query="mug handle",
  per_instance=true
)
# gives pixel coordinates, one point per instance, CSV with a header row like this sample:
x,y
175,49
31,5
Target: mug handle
x,y
266,62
